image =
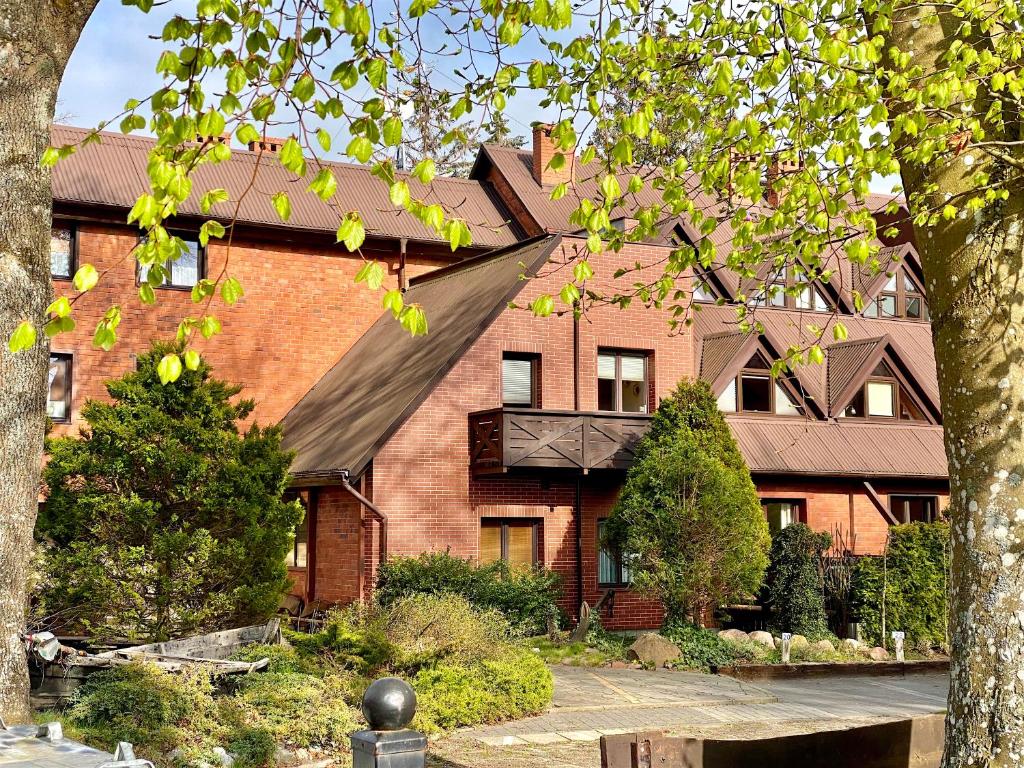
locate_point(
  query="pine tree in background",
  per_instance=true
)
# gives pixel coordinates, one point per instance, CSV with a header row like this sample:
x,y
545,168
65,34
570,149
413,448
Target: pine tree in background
x,y
162,518
689,516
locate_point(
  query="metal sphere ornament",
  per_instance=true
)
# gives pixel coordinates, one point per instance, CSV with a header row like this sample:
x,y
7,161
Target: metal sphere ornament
x,y
389,704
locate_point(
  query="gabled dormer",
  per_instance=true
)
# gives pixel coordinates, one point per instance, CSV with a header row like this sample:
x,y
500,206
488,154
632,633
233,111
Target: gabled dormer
x,y
737,366
871,379
792,287
898,290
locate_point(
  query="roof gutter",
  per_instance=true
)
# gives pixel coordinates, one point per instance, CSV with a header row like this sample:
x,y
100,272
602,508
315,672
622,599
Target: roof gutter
x,y
381,517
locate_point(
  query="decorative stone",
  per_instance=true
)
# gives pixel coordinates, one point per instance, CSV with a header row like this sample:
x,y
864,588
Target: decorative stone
x,y
878,654
223,757
850,644
798,641
389,704
762,638
734,634
825,646
651,648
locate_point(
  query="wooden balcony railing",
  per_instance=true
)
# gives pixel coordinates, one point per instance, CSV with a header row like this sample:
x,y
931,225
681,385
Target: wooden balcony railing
x,y
511,438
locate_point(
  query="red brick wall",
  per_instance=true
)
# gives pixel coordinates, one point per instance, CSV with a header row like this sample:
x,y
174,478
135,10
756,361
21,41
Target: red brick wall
x,y
826,505
339,547
301,312
421,477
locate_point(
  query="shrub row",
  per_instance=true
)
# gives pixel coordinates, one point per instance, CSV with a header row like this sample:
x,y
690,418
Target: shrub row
x,y
526,598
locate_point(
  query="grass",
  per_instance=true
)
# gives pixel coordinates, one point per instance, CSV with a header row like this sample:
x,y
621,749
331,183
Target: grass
x,y
599,649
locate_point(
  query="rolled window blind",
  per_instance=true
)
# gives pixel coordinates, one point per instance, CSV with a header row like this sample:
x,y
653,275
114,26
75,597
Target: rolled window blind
x,y
632,368
517,381
606,366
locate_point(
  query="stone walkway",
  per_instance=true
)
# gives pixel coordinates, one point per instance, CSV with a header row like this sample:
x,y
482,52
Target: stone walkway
x,y
19,748
591,702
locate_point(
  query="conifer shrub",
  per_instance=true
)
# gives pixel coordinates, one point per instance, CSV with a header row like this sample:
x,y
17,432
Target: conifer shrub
x,y
908,585
689,519
793,590
164,519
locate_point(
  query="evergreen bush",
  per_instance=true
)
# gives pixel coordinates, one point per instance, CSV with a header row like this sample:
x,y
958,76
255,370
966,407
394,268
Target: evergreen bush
x,y
526,597
913,576
793,591
689,516
162,518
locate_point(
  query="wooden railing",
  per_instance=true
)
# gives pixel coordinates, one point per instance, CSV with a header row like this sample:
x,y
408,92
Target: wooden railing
x,y
510,438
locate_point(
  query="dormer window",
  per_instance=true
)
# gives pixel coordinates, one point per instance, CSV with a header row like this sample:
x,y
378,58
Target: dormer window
x,y
795,291
883,397
901,296
755,390
702,290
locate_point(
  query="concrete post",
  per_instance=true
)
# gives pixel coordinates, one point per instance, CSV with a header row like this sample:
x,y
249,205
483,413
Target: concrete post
x,y
389,705
897,641
786,638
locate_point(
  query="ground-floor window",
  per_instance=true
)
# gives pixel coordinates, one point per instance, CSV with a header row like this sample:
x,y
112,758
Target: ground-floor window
x,y
781,513
511,540
914,509
58,402
298,555
612,567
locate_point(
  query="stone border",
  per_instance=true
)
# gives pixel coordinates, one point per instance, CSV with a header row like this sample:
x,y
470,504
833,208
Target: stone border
x,y
755,672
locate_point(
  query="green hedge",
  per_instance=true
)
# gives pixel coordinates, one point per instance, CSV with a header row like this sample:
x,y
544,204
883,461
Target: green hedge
x,y
914,573
527,598
793,590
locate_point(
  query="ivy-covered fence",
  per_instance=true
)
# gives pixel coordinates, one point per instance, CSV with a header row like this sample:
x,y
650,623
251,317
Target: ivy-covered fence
x,y
905,588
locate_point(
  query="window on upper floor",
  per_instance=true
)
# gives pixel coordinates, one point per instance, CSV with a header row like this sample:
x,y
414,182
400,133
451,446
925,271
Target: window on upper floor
x,y
62,251
622,381
513,540
900,296
182,272
793,291
883,397
58,401
914,509
755,390
520,380
702,290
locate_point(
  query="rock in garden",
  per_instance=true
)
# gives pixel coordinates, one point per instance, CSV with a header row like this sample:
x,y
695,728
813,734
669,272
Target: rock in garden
x,y
825,645
878,654
651,648
851,645
734,634
798,641
763,638
222,755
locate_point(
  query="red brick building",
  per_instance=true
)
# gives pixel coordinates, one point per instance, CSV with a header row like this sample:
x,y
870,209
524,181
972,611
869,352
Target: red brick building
x,y
500,434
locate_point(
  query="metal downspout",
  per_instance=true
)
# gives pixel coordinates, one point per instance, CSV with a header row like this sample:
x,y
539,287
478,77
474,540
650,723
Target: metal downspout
x,y
375,510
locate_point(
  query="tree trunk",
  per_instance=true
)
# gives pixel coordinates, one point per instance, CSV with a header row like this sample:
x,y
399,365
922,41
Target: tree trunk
x,y
36,40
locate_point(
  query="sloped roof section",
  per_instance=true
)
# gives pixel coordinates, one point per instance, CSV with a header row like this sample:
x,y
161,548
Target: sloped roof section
x,y
352,411
113,173
845,361
719,350
840,448
910,341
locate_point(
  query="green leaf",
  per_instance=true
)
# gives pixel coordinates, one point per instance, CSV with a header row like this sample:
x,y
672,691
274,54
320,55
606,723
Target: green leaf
x,y
582,271
815,355
192,359
146,293
50,157
372,273
211,198
570,294
210,229
414,320
424,170
60,307
231,290
169,368
399,194
360,148
392,132
24,337
304,88
458,234
839,332
209,326
351,232
542,306
282,205
291,157
85,278
324,185
393,302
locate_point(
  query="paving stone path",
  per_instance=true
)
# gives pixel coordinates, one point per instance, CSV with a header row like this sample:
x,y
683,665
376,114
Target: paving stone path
x,y
591,702
19,748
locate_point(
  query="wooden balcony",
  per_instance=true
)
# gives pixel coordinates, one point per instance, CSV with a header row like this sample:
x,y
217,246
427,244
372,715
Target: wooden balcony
x,y
504,439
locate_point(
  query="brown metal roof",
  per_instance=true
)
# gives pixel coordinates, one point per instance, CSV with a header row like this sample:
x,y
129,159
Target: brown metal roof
x,y
845,362
719,350
840,448
113,173
349,414
909,341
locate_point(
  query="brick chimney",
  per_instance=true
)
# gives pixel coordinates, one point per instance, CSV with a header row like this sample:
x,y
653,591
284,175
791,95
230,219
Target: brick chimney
x,y
267,144
776,170
543,150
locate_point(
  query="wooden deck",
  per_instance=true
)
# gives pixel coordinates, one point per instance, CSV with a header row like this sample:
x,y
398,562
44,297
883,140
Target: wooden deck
x,y
503,439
